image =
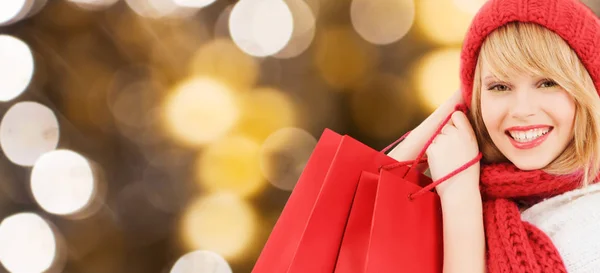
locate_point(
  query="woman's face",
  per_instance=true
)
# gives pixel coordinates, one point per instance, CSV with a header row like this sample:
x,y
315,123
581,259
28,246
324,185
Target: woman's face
x,y
529,118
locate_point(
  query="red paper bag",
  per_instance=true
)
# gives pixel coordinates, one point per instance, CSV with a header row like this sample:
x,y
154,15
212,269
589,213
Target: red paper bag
x,y
308,234
352,257
406,233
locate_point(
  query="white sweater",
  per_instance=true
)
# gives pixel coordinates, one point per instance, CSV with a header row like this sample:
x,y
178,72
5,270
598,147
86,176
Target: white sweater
x,y
572,221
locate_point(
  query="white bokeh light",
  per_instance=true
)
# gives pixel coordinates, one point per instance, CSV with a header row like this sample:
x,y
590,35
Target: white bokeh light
x,y
14,10
63,182
193,3
304,30
159,8
16,67
29,244
28,130
201,261
94,4
261,27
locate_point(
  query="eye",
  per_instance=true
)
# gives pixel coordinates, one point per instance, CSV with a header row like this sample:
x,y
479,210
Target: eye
x,y
548,83
498,87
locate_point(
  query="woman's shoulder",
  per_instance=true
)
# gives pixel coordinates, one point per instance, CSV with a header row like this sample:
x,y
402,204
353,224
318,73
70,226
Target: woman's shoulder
x,y
572,221
573,202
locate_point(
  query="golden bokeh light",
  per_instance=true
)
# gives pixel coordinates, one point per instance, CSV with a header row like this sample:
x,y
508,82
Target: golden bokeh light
x,y
63,182
221,223
201,261
28,130
284,155
382,21
261,27
221,59
29,244
16,67
231,165
442,21
200,110
341,57
304,30
437,76
264,111
469,6
383,107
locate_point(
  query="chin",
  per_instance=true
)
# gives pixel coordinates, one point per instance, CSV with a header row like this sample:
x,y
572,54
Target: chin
x,y
529,165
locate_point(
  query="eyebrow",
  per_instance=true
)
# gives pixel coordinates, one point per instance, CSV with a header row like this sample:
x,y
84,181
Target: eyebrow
x,y
489,77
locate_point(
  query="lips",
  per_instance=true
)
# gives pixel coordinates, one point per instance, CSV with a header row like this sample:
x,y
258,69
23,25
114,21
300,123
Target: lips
x,y
528,137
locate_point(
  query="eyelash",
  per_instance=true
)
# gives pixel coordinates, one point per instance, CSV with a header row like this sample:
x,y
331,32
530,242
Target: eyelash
x,y
545,81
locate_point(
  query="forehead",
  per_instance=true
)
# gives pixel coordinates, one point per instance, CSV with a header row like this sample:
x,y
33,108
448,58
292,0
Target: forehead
x,y
507,73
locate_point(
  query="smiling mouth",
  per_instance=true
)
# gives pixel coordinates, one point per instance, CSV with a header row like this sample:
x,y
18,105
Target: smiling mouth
x,y
528,137
524,136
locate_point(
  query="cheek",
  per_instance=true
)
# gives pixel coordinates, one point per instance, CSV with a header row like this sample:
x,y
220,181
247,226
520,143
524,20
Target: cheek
x,y
491,113
563,109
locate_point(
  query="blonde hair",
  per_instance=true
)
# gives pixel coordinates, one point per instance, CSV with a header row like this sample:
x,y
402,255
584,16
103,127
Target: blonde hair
x,y
533,49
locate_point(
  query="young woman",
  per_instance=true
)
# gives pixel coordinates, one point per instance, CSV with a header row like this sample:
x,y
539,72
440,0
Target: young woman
x,y
530,75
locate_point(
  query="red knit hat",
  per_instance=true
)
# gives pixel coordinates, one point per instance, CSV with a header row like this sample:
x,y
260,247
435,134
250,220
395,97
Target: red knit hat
x,y
570,19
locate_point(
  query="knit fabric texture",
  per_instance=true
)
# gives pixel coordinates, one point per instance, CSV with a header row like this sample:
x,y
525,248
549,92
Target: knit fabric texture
x,y
511,244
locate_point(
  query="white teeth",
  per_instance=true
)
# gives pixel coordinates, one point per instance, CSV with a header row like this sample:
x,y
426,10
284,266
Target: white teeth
x,y
529,135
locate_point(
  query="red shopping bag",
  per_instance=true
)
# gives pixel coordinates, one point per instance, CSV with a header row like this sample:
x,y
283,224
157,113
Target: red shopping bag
x,y
327,224
308,234
395,223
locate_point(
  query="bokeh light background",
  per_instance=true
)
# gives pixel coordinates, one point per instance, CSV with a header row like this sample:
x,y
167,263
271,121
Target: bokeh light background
x,y
166,135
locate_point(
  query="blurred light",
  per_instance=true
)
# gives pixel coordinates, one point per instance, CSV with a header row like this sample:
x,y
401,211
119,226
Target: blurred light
x,y
304,30
166,190
222,223
158,8
594,5
94,4
469,6
135,108
29,244
341,59
437,76
194,3
442,21
382,21
38,5
284,155
14,10
384,107
222,24
315,6
222,60
63,182
201,261
200,111
264,111
28,130
231,165
261,27
16,67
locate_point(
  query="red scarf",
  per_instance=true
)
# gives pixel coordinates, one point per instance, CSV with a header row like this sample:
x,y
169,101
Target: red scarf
x,y
513,245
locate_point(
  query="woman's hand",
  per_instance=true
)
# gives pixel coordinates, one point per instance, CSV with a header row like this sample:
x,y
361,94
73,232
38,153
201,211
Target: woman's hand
x,y
452,148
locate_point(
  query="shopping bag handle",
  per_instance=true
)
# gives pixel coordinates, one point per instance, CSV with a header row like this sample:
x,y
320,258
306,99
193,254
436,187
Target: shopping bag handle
x,y
420,156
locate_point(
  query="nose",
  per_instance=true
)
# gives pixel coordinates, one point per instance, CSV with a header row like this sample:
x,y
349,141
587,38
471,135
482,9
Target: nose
x,y
524,104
